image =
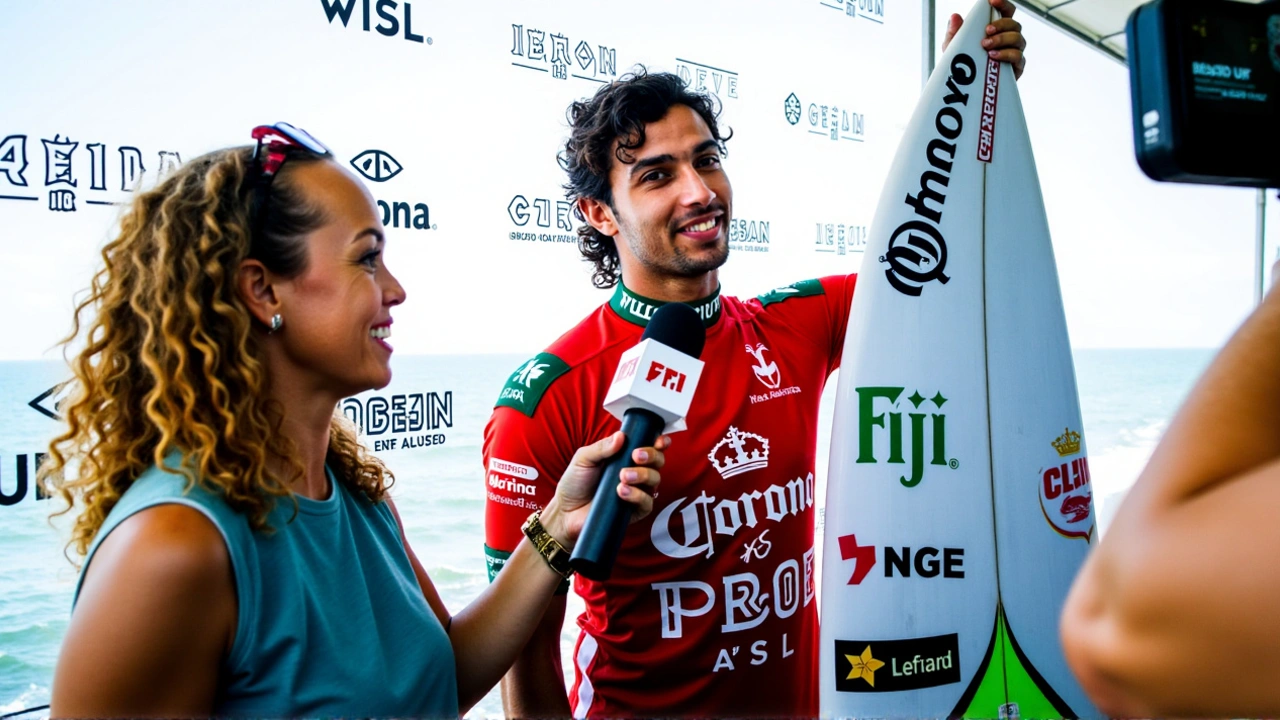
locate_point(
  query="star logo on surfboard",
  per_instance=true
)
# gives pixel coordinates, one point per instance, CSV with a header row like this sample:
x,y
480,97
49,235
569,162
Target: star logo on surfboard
x,y
864,666
916,663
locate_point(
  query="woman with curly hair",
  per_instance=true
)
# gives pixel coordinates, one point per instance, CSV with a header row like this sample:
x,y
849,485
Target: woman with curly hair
x,y
241,553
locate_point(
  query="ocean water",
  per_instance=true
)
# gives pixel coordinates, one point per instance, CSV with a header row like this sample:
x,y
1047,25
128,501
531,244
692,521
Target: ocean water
x,y
1127,398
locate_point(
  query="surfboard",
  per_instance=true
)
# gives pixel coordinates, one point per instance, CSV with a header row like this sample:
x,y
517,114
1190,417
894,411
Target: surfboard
x,y
959,505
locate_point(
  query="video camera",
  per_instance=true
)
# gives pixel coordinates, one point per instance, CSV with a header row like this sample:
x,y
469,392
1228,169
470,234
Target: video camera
x,y
1204,77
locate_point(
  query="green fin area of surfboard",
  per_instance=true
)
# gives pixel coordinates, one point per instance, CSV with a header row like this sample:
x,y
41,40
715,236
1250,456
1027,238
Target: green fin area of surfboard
x,y
1006,680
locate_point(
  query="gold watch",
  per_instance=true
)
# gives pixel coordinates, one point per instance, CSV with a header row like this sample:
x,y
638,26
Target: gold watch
x,y
548,547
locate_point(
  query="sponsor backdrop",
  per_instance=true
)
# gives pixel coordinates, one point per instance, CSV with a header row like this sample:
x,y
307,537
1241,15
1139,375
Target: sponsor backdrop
x,y
453,114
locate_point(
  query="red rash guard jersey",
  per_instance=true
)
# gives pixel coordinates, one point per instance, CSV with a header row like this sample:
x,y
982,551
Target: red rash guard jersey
x,y
711,608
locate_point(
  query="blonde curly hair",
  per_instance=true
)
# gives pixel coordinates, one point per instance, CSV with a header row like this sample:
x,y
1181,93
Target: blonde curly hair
x,y
171,358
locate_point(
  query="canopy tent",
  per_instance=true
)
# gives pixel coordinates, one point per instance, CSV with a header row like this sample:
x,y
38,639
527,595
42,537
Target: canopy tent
x,y
1100,24
1097,23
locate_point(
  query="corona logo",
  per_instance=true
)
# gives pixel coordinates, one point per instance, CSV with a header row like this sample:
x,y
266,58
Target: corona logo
x,y
739,452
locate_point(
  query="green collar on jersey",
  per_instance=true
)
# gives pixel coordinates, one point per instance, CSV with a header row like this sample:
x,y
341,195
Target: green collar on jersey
x,y
638,309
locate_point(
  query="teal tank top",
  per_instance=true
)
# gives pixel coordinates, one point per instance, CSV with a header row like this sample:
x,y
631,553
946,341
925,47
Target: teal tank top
x,y
331,620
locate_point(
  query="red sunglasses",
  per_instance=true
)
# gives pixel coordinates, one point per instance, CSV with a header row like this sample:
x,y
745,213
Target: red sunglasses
x,y
274,144
277,139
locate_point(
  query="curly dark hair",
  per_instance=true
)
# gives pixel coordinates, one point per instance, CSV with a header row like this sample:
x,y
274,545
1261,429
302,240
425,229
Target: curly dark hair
x,y
619,111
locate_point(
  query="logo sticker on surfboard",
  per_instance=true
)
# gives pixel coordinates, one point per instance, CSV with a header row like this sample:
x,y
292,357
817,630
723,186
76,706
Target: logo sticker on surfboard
x,y
920,257
921,435
987,127
1066,495
867,666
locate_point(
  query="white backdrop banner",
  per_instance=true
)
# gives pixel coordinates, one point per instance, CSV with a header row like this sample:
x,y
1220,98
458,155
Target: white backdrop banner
x,y
453,114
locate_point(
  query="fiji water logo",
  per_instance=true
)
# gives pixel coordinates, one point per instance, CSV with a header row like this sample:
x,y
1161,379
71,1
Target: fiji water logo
x,y
1066,493
922,434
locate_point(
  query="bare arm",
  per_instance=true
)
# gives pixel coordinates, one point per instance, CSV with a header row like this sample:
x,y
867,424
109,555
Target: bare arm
x,y
534,687
155,617
489,633
1174,613
478,647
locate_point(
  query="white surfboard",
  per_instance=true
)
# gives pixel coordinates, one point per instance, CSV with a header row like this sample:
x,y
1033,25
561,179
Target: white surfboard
x,y
958,499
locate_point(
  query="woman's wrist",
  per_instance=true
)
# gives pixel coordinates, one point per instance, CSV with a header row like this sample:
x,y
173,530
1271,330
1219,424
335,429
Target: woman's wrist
x,y
554,523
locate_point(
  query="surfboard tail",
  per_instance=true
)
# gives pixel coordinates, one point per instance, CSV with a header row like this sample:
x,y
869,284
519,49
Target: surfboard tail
x,y
1045,520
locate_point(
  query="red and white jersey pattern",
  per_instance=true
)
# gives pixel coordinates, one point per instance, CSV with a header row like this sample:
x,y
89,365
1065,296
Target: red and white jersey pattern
x,y
711,608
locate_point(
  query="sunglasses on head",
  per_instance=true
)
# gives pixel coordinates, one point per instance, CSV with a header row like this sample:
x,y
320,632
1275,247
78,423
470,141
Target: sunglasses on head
x,y
273,145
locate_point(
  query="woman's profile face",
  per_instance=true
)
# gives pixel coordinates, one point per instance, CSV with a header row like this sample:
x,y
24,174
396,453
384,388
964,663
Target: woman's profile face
x,y
337,312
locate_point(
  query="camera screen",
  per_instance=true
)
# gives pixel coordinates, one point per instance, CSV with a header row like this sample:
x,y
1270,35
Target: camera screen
x,y
1205,77
1233,64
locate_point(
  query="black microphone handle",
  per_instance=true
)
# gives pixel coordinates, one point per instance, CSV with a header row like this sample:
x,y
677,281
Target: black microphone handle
x,y
609,515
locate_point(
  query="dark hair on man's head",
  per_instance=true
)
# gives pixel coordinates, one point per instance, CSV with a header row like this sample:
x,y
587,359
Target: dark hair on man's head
x,y
618,112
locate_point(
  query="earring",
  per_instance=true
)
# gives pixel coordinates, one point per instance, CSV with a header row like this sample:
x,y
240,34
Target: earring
x,y
277,322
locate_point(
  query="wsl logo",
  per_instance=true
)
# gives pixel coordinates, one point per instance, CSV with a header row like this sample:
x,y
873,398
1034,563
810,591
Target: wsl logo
x,y
917,253
931,434
388,25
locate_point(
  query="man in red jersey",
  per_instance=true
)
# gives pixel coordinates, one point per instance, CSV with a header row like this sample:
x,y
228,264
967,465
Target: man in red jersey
x,y
711,608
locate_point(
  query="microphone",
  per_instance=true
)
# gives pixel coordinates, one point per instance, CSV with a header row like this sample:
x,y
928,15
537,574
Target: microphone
x,y
650,393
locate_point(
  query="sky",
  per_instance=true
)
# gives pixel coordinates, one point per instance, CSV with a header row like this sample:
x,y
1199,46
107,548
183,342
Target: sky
x,y
1141,263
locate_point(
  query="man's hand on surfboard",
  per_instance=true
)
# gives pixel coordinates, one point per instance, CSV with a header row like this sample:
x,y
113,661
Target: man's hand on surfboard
x,y
1004,37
